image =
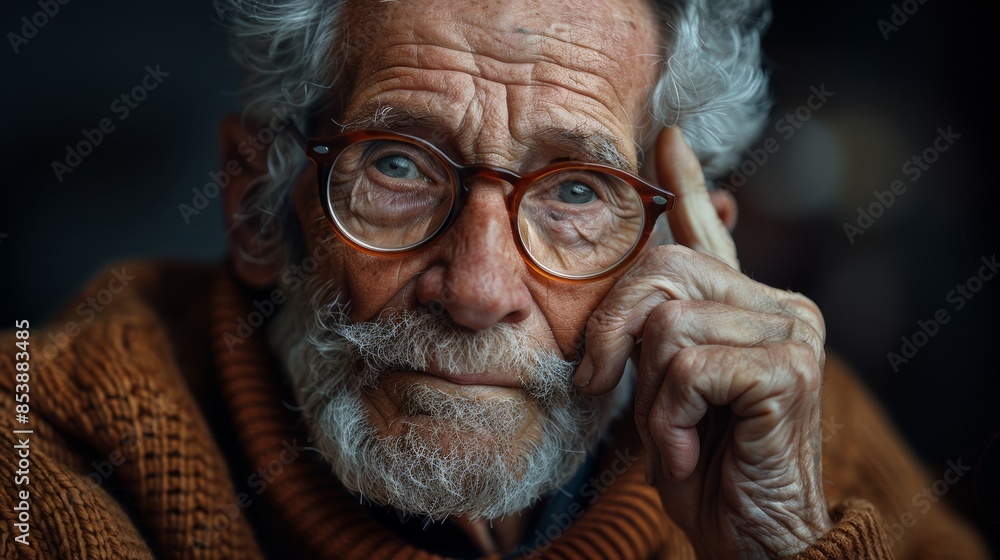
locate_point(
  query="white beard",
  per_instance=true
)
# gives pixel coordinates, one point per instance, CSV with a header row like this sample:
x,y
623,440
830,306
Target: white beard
x,y
450,455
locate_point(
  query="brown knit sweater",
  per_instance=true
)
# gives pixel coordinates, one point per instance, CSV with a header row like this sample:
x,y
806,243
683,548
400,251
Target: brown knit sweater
x,y
152,439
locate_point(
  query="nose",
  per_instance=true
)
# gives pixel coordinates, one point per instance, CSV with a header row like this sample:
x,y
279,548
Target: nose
x,y
477,276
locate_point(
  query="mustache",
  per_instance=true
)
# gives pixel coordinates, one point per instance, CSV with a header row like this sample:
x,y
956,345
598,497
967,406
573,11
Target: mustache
x,y
423,340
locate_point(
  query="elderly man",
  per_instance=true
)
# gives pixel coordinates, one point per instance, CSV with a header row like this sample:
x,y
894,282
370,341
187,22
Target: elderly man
x,y
479,303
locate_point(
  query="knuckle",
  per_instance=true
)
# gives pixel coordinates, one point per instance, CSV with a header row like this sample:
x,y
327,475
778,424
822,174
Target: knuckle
x,y
808,310
799,352
665,270
685,365
667,251
602,321
800,331
671,255
802,362
667,316
792,327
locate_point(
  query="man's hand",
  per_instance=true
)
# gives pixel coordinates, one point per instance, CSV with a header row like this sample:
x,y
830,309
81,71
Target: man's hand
x,y
729,381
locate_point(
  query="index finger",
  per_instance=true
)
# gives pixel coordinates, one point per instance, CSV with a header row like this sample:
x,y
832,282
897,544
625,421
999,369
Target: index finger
x,y
694,221
671,272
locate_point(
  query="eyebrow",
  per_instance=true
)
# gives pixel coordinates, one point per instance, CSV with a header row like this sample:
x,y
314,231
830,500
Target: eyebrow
x,y
599,147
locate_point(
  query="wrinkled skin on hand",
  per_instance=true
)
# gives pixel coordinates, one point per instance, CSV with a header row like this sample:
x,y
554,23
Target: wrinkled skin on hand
x,y
729,382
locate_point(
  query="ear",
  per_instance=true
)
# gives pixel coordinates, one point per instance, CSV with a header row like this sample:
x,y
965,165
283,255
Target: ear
x,y
725,204
257,261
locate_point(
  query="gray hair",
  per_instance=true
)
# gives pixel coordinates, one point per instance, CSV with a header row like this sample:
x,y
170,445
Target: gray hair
x,y
712,84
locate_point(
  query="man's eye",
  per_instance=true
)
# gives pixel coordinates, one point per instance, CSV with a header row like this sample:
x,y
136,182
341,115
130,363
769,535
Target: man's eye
x,y
398,167
575,192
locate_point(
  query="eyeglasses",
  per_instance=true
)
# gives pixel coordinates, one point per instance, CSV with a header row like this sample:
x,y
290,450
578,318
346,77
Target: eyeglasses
x,y
387,193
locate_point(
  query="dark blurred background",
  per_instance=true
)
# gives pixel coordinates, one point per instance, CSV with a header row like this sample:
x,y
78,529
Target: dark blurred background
x,y
893,87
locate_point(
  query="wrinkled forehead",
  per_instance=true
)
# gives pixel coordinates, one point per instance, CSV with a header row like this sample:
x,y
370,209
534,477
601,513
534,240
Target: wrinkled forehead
x,y
600,48
619,28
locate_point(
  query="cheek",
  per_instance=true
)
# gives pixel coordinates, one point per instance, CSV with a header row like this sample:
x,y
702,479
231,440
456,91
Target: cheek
x,y
374,284
369,283
567,307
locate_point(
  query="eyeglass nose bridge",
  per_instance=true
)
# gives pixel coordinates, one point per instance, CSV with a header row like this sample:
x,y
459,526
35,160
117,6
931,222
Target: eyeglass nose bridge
x,y
467,173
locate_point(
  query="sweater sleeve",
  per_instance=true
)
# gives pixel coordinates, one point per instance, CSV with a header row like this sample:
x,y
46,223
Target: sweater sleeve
x,y
874,483
122,463
63,514
857,534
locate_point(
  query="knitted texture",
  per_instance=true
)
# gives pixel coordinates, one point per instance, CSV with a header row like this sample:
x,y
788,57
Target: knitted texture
x,y
126,464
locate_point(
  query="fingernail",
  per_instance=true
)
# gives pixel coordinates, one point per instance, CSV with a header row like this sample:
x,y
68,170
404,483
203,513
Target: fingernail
x,y
667,475
584,372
